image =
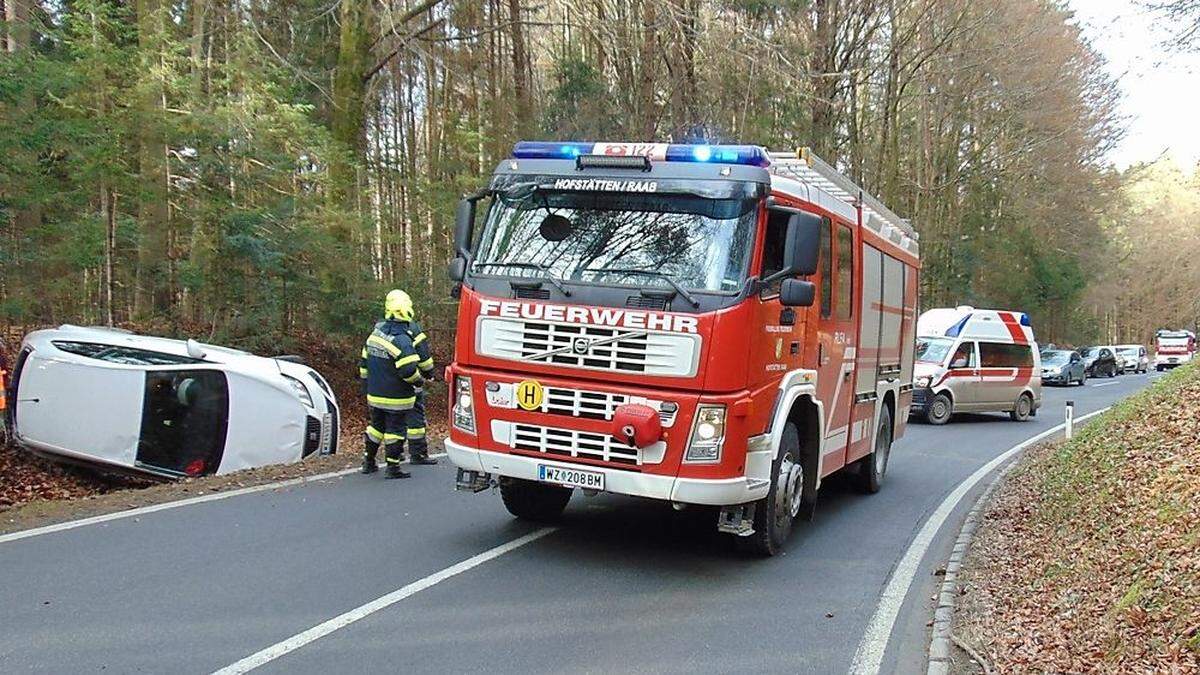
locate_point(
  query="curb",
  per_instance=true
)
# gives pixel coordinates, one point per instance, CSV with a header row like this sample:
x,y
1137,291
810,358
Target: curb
x,y
941,643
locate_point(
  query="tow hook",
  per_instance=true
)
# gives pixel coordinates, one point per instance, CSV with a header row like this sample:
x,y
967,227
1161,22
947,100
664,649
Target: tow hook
x,y
737,519
473,481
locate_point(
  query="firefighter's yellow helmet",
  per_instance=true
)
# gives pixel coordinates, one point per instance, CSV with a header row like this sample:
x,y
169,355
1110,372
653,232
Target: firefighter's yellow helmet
x,y
398,305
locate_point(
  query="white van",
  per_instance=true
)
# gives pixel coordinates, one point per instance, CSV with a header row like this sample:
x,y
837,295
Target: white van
x,y
975,360
162,407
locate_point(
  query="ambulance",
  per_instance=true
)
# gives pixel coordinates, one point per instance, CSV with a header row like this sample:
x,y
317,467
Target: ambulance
x,y
1173,348
705,325
975,360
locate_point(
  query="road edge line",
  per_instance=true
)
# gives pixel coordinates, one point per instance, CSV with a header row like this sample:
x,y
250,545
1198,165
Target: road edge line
x,y
174,504
868,657
284,647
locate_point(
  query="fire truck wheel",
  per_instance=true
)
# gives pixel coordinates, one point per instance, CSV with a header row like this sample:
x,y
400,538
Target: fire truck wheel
x,y
773,515
873,467
1022,409
940,409
533,501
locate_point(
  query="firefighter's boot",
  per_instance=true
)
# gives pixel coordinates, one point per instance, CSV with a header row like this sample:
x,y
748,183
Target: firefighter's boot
x,y
394,453
370,449
418,448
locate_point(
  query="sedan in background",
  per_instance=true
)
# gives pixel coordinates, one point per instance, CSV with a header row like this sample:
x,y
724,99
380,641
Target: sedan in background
x,y
1063,366
1100,361
167,408
1134,358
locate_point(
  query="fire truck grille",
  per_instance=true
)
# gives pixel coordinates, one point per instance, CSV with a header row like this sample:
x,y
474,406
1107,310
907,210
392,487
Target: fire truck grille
x,y
597,405
592,347
574,444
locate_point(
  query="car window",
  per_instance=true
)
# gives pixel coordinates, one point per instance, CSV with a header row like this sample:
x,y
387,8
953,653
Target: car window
x,y
130,356
1003,355
185,415
845,248
964,357
773,244
826,268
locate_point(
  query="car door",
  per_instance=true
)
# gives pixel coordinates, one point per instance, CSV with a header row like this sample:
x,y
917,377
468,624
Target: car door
x,y
962,376
184,421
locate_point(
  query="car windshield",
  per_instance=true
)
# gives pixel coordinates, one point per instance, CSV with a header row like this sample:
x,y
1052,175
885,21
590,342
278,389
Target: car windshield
x,y
1091,352
933,349
129,356
617,238
1055,358
1127,351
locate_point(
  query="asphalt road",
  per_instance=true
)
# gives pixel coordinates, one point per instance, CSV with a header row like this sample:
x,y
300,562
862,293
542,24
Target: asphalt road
x,y
621,586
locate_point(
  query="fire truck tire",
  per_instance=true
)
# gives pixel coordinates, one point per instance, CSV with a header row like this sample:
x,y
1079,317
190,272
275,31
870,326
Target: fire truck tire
x,y
940,409
773,516
873,467
1022,409
534,501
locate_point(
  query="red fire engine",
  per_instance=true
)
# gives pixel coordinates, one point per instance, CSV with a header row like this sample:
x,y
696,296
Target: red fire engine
x,y
702,324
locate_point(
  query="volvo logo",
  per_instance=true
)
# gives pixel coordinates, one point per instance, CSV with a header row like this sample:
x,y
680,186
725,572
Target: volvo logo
x,y
581,345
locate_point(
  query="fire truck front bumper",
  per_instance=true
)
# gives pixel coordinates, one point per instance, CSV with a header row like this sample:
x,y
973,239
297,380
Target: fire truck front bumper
x,y
719,492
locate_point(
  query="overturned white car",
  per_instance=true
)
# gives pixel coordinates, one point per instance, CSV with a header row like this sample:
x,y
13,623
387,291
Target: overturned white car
x,y
169,408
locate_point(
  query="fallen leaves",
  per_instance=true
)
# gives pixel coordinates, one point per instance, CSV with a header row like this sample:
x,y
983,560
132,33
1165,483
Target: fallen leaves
x,y
1087,559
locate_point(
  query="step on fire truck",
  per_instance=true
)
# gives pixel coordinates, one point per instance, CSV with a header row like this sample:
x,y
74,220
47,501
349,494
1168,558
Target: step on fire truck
x,y
701,324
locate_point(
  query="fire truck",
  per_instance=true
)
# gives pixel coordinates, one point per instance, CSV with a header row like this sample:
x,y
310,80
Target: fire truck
x,y
1173,348
708,325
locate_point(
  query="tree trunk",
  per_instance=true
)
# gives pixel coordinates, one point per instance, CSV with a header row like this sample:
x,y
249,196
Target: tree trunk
x,y
520,65
152,296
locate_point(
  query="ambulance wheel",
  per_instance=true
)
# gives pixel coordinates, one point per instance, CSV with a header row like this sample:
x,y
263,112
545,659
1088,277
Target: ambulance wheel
x,y
1022,410
872,468
940,409
773,516
531,500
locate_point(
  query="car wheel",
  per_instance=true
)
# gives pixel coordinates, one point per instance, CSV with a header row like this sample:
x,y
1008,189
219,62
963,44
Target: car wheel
x,y
940,409
872,468
1021,411
530,500
773,516
1083,379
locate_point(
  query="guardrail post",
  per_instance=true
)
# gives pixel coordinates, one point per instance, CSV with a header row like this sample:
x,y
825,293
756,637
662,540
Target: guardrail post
x,y
1070,419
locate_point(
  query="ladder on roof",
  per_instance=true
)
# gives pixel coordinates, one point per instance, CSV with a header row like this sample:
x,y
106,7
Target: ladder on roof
x,y
805,165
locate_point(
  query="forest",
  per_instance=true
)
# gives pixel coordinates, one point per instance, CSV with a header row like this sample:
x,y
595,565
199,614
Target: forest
x,y
254,171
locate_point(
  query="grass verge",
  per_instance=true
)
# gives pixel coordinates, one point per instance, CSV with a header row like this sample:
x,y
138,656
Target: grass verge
x,y
1088,557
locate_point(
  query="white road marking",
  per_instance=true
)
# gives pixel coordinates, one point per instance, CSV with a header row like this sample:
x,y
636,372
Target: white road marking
x,y
143,510
869,656
341,621
1105,384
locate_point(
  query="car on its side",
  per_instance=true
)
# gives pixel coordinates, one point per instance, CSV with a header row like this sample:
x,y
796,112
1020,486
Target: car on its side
x,y
1133,358
162,407
1063,366
1100,361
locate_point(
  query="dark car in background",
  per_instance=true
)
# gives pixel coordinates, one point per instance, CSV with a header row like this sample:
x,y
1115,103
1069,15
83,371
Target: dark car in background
x,y
1100,361
1063,366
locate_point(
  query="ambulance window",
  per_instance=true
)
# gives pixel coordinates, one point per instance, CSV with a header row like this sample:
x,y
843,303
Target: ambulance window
x,y
773,244
826,269
1001,355
964,357
845,273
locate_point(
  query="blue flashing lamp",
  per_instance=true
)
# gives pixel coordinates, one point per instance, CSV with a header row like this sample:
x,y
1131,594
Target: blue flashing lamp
x,y
550,150
1025,319
750,155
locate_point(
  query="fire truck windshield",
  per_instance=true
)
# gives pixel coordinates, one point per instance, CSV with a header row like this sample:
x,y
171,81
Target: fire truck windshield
x,y
620,239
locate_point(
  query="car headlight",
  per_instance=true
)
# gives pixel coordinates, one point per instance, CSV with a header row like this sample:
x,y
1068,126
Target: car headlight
x,y
463,416
301,390
923,381
708,435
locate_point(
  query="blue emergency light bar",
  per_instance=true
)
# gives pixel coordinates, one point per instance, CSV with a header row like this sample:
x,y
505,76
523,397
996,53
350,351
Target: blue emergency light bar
x,y
750,155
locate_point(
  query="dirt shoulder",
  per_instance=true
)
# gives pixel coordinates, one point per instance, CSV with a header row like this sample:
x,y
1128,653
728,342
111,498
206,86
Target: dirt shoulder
x,y
1087,559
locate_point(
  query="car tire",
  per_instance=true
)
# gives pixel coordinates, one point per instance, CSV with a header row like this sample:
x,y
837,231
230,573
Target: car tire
x,y
1023,408
940,409
774,514
873,467
530,500
1083,379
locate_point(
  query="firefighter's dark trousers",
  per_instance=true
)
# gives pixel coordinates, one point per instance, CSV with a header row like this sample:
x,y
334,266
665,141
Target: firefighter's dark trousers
x,y
390,428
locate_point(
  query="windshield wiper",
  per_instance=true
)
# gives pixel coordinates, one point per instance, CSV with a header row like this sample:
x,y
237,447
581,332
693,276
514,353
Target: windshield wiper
x,y
652,273
545,270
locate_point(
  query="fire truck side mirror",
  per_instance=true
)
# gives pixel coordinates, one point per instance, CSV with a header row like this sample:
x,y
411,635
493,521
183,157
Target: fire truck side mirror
x,y
464,223
803,244
797,293
457,270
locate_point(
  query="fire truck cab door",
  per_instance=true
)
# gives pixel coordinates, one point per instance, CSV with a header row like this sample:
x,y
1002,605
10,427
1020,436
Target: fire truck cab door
x,y
837,337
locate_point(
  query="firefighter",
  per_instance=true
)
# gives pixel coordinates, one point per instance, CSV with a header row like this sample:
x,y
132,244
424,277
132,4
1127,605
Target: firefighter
x,y
395,365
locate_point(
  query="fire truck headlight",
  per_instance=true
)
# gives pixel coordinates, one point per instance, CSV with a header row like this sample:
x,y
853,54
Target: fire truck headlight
x,y
463,414
708,435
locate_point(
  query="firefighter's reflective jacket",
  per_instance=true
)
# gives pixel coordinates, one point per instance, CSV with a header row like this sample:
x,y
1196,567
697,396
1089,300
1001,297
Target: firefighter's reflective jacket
x,y
395,363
